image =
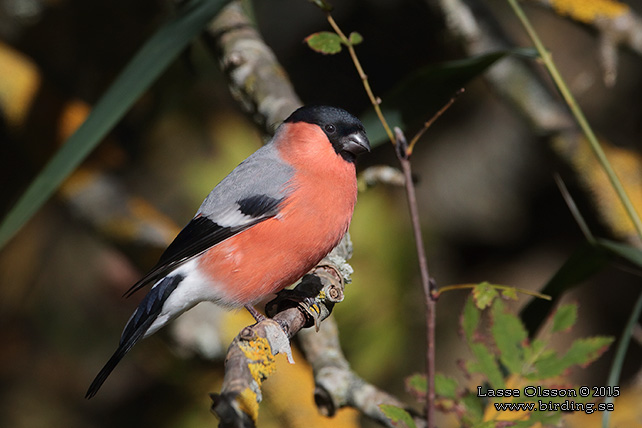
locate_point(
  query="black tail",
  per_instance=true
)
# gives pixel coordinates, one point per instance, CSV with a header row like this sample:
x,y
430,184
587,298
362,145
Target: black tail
x,y
123,348
137,326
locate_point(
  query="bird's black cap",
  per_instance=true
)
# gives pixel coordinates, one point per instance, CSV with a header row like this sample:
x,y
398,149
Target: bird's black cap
x,y
345,131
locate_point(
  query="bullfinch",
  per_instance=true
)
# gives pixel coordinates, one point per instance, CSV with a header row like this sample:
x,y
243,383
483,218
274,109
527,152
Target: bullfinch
x,y
264,226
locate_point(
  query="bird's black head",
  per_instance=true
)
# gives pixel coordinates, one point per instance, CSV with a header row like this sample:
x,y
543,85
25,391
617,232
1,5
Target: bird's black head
x,y
345,132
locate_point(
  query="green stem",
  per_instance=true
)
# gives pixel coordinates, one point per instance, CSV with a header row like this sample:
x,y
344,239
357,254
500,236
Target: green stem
x,y
620,353
363,76
579,116
499,287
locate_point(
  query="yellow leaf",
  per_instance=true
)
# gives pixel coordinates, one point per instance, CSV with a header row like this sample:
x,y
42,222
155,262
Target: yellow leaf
x,y
19,84
589,11
628,167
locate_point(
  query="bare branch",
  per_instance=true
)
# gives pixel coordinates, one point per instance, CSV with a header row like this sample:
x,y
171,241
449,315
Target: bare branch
x,y
381,174
256,79
428,283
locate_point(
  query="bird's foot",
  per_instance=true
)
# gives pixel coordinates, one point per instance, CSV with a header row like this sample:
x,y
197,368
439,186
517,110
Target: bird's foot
x,y
291,298
256,314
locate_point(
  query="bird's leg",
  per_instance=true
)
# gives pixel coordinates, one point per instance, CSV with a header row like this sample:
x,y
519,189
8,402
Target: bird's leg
x,y
301,298
256,314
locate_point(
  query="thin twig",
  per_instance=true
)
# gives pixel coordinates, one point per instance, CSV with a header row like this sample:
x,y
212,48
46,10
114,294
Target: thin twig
x,y
427,282
432,120
575,212
375,101
579,117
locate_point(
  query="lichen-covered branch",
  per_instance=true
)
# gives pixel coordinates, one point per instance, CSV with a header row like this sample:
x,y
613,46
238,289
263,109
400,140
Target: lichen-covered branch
x,y
616,23
251,356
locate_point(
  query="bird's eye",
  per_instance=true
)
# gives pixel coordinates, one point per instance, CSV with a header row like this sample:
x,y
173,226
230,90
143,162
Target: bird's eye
x,y
330,128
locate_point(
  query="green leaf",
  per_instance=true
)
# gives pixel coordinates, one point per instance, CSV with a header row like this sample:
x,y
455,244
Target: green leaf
x,y
585,351
474,409
324,42
417,385
582,352
585,261
509,335
355,38
534,351
486,364
549,366
484,294
323,5
397,415
628,252
489,424
470,319
424,91
445,386
148,63
547,419
564,318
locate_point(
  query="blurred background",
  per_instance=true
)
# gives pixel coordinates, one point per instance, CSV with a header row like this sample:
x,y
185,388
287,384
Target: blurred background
x,y
490,208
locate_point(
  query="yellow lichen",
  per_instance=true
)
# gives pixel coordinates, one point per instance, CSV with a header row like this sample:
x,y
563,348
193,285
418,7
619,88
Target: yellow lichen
x,y
588,11
262,364
248,403
259,351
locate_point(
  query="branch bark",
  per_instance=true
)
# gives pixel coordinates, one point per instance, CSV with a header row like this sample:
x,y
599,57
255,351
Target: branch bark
x,y
256,79
251,356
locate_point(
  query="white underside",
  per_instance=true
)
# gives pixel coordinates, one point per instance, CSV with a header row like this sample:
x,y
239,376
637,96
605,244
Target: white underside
x,y
193,289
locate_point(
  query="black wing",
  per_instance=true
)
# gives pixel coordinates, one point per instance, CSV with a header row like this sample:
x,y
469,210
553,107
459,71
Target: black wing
x,y
202,233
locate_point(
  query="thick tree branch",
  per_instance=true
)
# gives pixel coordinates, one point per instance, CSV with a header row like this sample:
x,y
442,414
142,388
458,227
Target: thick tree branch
x,y
261,86
256,79
251,356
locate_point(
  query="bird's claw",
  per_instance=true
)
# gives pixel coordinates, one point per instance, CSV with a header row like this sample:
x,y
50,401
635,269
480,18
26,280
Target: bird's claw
x,y
314,308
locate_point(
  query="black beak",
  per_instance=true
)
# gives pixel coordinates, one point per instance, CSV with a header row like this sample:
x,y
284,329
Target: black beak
x,y
355,144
